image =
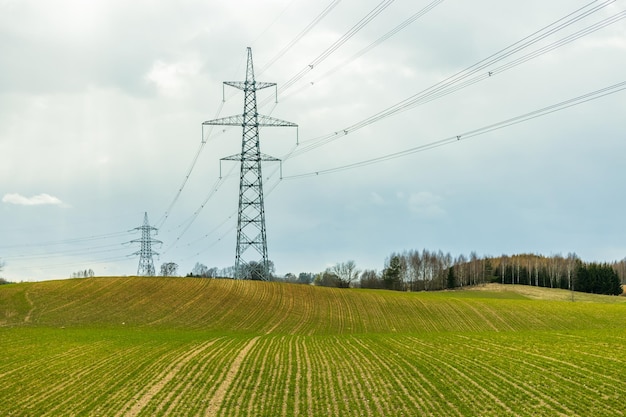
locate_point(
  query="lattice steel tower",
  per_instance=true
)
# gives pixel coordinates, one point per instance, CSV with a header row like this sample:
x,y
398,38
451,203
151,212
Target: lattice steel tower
x,y
251,234
146,265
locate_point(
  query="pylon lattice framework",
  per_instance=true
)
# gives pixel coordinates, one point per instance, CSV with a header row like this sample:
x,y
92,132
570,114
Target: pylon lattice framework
x,y
146,264
251,233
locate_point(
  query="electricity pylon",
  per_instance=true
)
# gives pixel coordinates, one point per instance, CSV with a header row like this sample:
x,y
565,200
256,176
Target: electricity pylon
x,y
251,234
146,265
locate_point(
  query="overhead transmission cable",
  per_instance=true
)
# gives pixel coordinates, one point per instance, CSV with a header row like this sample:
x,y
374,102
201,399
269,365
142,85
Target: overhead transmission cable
x,y
273,21
165,215
568,39
336,45
77,251
299,36
459,76
213,189
450,84
281,53
594,95
203,142
60,249
479,66
476,67
187,223
532,55
353,30
67,248
497,70
227,231
216,228
67,241
71,264
371,46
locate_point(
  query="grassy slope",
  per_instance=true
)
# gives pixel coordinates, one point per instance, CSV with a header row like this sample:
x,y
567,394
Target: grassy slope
x,y
163,347
262,308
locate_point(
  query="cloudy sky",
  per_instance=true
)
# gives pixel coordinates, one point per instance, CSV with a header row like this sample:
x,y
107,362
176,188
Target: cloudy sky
x,y
102,104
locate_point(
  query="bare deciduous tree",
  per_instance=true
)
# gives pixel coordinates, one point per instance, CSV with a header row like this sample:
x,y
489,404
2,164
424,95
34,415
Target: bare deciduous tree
x,y
169,269
200,270
347,273
371,279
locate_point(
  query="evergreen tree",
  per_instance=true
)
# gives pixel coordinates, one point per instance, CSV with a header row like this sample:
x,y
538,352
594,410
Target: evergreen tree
x,y
597,279
392,275
451,279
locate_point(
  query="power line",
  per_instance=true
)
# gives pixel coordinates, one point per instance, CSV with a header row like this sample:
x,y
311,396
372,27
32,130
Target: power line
x,y
64,248
206,137
525,58
371,46
166,215
268,192
451,84
564,41
82,251
337,44
472,133
299,36
364,21
203,142
274,21
187,223
67,241
70,264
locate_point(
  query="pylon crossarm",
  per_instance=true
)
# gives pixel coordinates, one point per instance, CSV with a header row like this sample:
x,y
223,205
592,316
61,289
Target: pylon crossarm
x,y
145,228
273,122
266,157
226,121
229,158
139,252
263,157
236,157
256,85
145,240
238,120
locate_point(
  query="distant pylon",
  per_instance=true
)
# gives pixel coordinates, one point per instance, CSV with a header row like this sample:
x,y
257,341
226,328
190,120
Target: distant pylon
x,y
251,232
146,265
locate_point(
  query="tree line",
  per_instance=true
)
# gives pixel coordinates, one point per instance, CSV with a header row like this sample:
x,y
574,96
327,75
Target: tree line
x,y
251,270
87,273
431,271
425,270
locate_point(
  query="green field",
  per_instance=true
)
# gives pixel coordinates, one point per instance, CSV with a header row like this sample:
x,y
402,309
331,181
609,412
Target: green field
x,y
203,347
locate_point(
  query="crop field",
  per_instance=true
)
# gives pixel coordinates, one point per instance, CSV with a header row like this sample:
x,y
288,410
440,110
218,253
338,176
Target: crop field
x,y
200,347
